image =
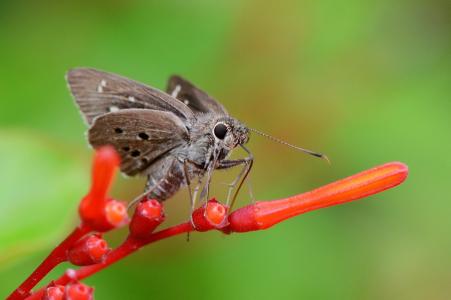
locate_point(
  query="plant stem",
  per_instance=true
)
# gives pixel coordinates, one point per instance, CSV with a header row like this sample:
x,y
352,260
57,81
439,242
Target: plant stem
x,y
129,246
57,256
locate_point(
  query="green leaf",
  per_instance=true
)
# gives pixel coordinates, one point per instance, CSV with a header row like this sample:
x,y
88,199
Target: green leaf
x,y
41,185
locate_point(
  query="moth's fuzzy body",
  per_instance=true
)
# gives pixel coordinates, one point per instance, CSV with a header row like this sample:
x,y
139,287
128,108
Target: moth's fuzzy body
x,y
167,175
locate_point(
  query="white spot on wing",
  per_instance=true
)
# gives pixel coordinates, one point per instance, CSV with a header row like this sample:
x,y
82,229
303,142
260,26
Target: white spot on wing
x,y
113,108
131,99
186,102
176,90
101,85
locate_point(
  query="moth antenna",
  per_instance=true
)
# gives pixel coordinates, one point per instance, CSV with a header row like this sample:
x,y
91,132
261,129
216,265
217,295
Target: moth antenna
x,y
274,139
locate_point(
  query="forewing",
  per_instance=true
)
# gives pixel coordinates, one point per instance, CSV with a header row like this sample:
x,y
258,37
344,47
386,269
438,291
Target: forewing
x,y
140,136
193,97
97,93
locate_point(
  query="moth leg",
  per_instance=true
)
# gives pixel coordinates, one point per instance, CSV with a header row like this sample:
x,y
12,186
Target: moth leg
x,y
233,184
251,190
188,184
197,188
247,162
211,167
191,199
192,195
139,198
206,189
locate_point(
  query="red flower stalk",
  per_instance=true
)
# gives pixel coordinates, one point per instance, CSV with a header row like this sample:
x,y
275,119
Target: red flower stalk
x,y
212,215
148,215
96,210
262,215
97,213
91,249
57,256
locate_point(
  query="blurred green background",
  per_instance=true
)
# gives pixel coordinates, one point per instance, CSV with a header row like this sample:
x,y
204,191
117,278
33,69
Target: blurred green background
x,y
366,82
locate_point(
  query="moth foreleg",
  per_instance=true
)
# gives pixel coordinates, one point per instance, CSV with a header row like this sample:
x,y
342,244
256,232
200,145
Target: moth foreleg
x,y
226,164
188,184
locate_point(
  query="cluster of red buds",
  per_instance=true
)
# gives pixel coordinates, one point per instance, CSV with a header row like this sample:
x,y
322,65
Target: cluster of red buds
x,y
71,291
85,247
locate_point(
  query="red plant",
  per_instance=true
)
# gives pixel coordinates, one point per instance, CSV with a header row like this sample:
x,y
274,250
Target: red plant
x,y
98,213
54,292
91,249
78,291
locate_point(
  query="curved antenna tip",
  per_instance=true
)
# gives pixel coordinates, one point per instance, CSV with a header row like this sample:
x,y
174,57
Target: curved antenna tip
x,y
324,157
319,155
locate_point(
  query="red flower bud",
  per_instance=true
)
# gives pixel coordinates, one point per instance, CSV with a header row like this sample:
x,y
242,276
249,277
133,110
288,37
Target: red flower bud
x,y
148,215
110,215
54,292
262,215
211,215
89,250
96,210
116,213
106,162
78,291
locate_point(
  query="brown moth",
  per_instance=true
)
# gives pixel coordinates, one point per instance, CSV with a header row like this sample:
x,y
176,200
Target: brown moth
x,y
172,138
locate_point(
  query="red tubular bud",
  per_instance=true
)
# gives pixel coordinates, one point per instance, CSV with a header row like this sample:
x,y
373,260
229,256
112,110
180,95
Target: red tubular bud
x,y
111,215
54,292
106,162
211,215
89,250
148,215
78,291
96,210
116,213
262,215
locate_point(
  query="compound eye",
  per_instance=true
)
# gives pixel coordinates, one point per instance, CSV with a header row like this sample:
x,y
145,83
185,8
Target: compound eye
x,y
220,131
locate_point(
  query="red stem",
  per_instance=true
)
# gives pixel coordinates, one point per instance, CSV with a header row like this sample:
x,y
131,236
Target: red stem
x,y
57,256
129,246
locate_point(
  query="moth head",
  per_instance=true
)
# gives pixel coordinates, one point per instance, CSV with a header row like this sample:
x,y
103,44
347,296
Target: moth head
x,y
230,133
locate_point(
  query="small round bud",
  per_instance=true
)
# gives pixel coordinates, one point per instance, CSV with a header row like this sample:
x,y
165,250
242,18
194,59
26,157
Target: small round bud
x,y
148,215
116,212
78,291
212,215
54,292
89,250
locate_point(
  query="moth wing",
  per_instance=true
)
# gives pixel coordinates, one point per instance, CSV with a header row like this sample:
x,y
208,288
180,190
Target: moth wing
x,y
97,93
192,96
140,136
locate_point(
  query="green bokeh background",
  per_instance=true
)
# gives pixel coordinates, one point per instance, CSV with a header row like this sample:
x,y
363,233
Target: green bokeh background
x,y
366,82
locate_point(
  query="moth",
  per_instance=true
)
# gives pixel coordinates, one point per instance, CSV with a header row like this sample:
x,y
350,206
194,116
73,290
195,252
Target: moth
x,y
173,138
